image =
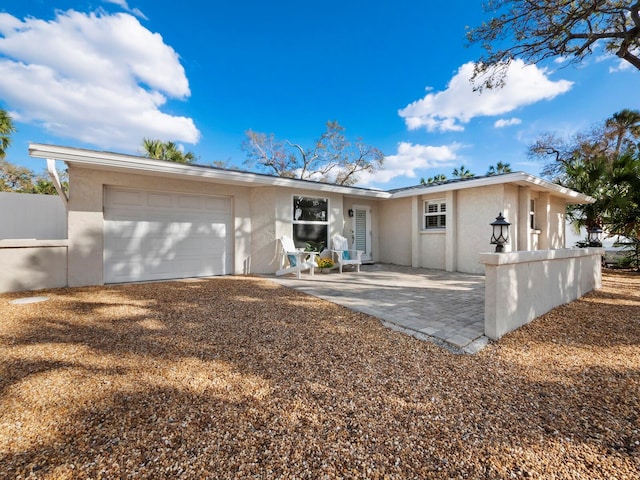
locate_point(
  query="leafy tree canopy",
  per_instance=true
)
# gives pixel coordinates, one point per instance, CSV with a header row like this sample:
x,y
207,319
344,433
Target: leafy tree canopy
x,y
535,30
6,129
604,163
331,159
462,172
435,180
499,169
14,178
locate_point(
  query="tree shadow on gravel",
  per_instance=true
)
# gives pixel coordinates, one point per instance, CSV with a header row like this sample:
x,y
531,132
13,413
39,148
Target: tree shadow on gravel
x,y
235,377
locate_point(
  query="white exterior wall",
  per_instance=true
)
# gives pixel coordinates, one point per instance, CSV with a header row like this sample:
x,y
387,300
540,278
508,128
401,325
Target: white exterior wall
x,y
557,225
521,286
86,219
396,225
432,249
30,216
272,217
433,244
511,211
32,264
477,208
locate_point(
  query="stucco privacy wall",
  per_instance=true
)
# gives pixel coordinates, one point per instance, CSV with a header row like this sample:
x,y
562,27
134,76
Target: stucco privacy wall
x,y
32,264
521,286
24,215
86,217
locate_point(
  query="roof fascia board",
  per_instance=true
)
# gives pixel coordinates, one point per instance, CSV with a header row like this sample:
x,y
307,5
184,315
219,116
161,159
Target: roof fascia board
x,y
516,177
148,166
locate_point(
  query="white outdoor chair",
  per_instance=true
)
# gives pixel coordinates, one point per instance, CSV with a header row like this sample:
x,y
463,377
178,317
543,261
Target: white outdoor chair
x,y
343,255
297,259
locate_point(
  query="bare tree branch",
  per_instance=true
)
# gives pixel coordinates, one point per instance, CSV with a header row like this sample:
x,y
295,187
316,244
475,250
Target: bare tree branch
x,y
540,29
333,159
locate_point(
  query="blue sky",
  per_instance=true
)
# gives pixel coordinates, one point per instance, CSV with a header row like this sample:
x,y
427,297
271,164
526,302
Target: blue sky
x,y
103,74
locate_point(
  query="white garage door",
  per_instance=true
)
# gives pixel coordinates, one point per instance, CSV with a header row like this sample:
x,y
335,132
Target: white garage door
x,y
159,235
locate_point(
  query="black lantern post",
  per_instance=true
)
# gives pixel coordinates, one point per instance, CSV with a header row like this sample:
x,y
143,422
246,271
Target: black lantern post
x,y
500,234
594,236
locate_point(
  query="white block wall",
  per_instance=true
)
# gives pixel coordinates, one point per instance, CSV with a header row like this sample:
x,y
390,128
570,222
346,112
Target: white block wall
x,y
29,216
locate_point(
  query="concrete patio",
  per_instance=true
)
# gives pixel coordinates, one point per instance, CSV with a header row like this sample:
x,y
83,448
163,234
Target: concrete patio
x,y
442,307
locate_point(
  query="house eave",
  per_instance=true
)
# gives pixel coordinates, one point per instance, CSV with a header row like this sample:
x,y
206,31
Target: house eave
x,y
516,178
141,165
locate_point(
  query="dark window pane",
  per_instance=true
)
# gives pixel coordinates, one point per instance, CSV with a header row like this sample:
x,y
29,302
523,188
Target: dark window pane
x,y
303,233
309,209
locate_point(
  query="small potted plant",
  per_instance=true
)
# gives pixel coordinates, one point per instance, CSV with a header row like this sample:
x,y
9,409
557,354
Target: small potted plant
x,y
324,264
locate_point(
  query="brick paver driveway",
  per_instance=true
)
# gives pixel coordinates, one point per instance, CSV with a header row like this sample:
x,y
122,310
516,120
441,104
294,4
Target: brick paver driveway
x,y
444,307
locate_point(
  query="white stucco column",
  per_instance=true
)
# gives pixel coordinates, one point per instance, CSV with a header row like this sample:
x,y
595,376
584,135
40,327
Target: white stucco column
x,y
543,216
415,232
523,237
86,229
451,235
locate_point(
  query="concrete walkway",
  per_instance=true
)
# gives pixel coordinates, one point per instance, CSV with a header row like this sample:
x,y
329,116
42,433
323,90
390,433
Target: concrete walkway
x,y
442,307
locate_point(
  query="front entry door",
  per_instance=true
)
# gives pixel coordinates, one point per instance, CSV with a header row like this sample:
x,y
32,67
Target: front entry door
x,y
362,231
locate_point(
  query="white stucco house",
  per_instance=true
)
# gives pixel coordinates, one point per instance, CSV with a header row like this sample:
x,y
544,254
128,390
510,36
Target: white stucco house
x,y
132,218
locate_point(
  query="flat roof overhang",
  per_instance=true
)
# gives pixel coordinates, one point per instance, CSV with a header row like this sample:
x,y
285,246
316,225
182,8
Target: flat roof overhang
x,y
118,162
517,178
147,166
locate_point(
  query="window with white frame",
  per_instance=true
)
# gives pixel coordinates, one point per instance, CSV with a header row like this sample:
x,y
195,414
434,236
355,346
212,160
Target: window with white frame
x,y
310,220
532,214
435,214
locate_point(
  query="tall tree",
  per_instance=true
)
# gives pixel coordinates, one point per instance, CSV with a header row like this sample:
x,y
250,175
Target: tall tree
x,y
499,168
624,128
15,178
619,134
462,172
535,30
168,151
6,129
332,158
603,163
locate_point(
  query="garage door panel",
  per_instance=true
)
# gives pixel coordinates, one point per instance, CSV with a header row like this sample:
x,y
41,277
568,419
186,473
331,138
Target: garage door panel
x,y
126,198
164,235
159,200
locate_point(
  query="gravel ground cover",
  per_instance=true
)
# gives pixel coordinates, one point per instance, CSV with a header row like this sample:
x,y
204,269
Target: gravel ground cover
x,y
238,377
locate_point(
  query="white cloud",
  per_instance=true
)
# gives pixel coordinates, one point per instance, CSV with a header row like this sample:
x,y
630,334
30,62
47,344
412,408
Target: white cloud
x,y
507,123
621,65
411,158
125,6
98,78
450,109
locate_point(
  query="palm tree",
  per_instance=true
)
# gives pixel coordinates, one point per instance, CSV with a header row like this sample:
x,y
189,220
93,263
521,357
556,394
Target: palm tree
x,y
462,172
499,168
439,178
624,127
6,129
168,151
